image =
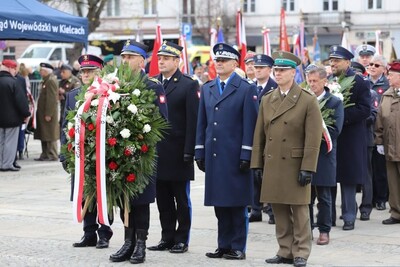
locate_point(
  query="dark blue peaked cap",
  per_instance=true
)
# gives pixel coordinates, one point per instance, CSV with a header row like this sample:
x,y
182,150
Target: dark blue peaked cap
x,y
337,51
222,50
261,60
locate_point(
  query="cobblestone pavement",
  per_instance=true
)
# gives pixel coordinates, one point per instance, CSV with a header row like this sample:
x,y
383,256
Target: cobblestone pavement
x,y
36,229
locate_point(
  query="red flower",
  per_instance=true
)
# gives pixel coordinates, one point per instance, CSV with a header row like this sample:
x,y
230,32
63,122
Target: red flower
x,y
90,127
71,132
127,152
131,178
112,141
112,165
144,148
69,147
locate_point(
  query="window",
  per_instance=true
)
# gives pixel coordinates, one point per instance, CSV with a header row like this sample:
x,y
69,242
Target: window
x,y
288,5
374,4
56,54
249,6
113,9
330,5
188,7
150,7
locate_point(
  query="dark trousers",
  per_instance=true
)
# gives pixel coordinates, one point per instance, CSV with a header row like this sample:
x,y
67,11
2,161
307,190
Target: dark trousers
x,y
174,206
349,204
257,206
324,217
90,225
139,216
366,202
333,198
232,227
379,178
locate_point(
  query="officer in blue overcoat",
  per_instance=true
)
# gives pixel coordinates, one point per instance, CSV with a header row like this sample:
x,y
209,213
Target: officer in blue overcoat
x,y
352,142
226,120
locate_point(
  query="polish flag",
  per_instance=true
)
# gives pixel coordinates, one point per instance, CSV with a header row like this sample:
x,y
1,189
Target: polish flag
x,y
153,71
241,39
266,42
212,73
184,66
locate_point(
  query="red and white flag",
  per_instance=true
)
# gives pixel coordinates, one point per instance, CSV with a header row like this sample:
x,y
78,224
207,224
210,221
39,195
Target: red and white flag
x,y
184,64
153,71
266,42
212,73
241,39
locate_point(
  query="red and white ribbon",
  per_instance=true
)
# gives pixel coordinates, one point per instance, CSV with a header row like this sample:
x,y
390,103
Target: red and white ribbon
x,y
327,136
101,88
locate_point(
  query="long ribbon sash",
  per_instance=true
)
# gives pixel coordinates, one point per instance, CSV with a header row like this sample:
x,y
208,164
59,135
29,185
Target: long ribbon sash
x,y
327,136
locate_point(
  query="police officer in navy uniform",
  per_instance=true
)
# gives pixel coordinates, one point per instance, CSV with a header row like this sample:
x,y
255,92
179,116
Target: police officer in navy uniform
x,y
227,116
262,65
134,247
365,53
90,67
175,166
352,143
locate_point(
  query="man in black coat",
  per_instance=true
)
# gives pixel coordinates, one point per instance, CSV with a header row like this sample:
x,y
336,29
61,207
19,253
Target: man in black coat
x,y
175,167
352,142
14,109
325,177
134,248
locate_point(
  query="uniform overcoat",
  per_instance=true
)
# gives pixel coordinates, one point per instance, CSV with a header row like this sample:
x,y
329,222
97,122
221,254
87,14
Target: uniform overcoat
x,y
47,105
224,136
387,126
352,142
286,140
182,94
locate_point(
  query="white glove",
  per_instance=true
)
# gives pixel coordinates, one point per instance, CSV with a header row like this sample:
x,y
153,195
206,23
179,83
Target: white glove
x,y
380,149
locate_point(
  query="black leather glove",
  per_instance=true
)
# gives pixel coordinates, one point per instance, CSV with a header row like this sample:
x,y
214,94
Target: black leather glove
x,y
258,175
201,164
305,177
64,165
188,159
244,165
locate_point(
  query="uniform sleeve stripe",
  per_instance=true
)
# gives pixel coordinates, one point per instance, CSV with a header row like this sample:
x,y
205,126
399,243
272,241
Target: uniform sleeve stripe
x,y
247,147
199,147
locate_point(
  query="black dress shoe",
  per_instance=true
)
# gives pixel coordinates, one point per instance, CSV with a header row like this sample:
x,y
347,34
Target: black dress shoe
x,y
364,216
300,262
234,255
219,252
162,245
348,226
16,165
40,159
380,206
86,241
278,260
103,243
255,217
179,248
12,169
271,220
391,220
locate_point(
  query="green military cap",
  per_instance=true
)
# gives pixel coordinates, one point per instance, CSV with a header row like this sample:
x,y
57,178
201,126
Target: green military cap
x,y
108,58
285,60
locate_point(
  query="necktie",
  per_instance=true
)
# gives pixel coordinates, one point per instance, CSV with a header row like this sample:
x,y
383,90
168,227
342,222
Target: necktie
x,y
222,86
164,83
259,89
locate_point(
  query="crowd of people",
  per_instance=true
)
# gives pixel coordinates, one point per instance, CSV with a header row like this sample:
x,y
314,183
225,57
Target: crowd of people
x,y
262,140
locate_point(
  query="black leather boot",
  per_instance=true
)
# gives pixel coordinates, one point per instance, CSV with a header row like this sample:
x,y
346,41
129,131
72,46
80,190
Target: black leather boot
x,y
139,254
125,252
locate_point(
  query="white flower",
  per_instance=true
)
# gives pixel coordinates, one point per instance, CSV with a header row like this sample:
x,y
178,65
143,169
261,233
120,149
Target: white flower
x,y
334,87
111,77
113,96
339,95
109,119
146,128
132,108
94,103
136,92
125,133
70,125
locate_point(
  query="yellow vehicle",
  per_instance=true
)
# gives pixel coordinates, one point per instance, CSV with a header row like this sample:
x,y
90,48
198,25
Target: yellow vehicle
x,y
199,53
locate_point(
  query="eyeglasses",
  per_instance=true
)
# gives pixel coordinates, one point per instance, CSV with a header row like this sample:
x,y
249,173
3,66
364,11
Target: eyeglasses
x,y
375,65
